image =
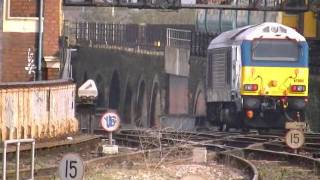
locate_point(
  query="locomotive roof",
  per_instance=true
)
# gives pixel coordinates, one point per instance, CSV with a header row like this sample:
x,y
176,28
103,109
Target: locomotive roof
x,y
268,30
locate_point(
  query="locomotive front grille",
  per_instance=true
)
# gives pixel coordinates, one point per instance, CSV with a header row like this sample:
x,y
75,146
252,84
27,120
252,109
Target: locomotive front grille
x,y
219,73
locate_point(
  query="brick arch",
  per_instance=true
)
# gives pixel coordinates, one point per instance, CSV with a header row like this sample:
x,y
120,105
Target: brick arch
x,y
141,112
114,91
199,102
155,104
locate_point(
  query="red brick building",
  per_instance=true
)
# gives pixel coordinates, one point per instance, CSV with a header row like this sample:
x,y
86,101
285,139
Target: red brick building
x,y
19,34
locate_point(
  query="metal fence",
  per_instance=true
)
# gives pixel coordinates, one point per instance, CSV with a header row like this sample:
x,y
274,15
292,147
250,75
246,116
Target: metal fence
x,y
199,43
152,37
149,37
179,38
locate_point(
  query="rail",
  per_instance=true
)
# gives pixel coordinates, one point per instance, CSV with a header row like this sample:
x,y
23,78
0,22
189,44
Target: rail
x,y
37,109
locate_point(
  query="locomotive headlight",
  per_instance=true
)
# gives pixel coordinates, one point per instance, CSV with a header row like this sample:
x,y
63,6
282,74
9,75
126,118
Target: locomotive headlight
x,y
250,87
298,88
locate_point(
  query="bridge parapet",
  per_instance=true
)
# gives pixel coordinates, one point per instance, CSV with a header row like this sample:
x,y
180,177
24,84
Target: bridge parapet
x,y
140,39
37,109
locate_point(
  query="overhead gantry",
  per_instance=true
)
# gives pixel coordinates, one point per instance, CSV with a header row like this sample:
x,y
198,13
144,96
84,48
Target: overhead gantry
x,y
250,5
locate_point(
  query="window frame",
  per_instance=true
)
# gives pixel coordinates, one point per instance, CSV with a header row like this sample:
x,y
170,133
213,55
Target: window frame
x,y
271,59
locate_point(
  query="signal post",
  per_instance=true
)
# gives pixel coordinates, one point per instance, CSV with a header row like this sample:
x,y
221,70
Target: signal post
x,y
110,122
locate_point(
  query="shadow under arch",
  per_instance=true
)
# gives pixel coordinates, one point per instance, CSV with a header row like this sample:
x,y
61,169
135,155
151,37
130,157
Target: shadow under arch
x,y
127,111
141,106
85,77
199,105
155,107
101,91
114,91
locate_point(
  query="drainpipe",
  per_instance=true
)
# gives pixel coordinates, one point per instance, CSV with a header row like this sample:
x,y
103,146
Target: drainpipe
x,y
40,42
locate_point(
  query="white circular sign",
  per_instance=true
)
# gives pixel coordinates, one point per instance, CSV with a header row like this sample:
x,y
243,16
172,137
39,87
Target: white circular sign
x,y
110,121
71,167
295,138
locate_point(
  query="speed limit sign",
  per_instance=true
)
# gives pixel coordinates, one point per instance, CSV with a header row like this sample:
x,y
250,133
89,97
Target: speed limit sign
x,y
295,138
110,121
71,167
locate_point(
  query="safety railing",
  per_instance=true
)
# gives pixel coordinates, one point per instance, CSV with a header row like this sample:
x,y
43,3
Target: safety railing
x,y
18,143
200,42
145,37
102,35
178,38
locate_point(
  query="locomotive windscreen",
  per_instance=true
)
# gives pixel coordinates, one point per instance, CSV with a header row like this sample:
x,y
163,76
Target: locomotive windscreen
x,y
275,50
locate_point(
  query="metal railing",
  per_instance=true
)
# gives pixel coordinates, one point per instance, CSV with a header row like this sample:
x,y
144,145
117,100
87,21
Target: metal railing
x,y
144,36
151,37
200,42
122,35
179,38
18,143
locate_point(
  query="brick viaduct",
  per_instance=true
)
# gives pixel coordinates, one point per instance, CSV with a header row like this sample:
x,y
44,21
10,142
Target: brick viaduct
x,y
139,86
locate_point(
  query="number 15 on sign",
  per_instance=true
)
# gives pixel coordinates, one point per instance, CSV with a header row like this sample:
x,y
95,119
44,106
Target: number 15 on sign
x,y
71,167
295,138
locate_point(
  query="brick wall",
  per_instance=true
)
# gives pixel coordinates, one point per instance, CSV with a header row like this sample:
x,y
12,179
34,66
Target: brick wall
x,y
15,45
52,25
52,14
1,35
24,8
52,73
15,49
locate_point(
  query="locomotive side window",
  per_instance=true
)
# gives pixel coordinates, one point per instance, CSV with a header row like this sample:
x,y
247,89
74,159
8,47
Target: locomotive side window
x,y
275,50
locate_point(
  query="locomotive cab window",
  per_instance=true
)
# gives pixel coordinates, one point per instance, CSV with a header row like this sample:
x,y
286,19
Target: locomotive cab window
x,y
275,50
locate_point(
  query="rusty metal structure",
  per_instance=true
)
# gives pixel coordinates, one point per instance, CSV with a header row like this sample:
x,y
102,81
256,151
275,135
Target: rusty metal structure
x,y
37,109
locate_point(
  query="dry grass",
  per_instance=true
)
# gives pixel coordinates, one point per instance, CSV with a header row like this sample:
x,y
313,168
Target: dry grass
x,y
282,171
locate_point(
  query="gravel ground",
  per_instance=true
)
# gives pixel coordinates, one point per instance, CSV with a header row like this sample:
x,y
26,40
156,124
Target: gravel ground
x,y
283,171
188,171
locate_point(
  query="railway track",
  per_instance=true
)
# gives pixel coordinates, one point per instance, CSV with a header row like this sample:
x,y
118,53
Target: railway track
x,y
254,150
246,152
